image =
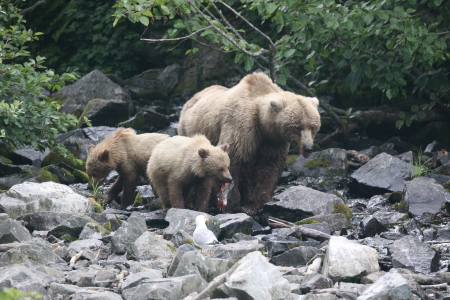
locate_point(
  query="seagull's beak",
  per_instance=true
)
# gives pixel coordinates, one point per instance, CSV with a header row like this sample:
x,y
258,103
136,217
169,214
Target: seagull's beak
x,y
207,220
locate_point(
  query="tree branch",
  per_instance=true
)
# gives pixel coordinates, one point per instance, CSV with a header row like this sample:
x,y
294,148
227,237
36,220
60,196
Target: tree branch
x,y
32,7
175,39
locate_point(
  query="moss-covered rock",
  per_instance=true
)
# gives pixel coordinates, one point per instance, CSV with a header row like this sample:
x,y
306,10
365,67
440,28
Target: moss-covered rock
x,y
5,160
446,186
80,176
44,176
318,162
395,197
306,221
343,209
53,158
138,200
97,206
148,96
290,159
400,207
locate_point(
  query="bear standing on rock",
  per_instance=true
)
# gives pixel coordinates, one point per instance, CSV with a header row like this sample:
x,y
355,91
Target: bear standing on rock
x,y
128,154
181,163
258,120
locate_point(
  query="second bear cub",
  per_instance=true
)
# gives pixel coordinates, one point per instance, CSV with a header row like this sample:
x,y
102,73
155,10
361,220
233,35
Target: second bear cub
x,y
180,163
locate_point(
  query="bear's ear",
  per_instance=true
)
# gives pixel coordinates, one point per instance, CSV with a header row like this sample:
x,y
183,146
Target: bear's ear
x,y
224,147
91,147
104,157
276,105
203,152
314,101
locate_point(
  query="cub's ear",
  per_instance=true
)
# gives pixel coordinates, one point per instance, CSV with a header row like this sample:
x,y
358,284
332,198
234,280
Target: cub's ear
x,y
314,101
204,153
91,147
276,105
224,147
104,157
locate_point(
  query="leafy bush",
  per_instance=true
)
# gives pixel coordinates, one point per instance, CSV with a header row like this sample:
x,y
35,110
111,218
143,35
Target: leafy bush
x,y
13,294
25,117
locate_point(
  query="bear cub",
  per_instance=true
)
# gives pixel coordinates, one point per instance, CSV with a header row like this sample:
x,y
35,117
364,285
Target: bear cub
x,y
180,164
128,154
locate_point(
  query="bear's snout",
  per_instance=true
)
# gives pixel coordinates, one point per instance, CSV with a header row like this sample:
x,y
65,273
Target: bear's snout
x,y
227,179
307,150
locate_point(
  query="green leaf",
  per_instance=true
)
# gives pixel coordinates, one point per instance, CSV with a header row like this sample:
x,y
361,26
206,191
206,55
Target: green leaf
x,y
249,62
270,7
399,124
144,20
415,108
421,114
281,79
289,53
401,115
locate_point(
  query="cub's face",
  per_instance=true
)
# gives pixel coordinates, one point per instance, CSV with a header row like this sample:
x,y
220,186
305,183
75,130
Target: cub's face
x,y
297,120
97,167
216,163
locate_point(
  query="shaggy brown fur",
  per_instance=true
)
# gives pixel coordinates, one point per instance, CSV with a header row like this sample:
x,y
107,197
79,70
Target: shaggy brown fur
x,y
181,163
258,120
128,154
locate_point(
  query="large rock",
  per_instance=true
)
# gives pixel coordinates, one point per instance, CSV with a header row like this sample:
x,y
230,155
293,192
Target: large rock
x,y
348,261
390,286
298,202
296,257
412,254
230,224
184,219
30,197
235,251
106,112
12,231
25,279
151,247
34,252
256,279
424,195
94,85
169,78
128,233
330,162
384,173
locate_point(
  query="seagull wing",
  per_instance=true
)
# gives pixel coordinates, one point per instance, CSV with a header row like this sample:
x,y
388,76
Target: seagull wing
x,y
204,237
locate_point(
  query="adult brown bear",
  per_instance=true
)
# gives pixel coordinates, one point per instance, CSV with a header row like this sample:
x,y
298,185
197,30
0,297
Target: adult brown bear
x,y
258,120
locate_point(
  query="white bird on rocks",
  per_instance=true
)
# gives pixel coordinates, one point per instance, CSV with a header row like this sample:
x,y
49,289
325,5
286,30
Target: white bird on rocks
x,y
203,237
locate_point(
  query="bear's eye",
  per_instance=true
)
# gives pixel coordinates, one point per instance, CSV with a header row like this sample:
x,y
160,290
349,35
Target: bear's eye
x,y
298,128
221,170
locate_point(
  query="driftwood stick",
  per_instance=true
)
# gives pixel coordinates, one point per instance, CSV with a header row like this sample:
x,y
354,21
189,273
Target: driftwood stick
x,y
307,232
442,286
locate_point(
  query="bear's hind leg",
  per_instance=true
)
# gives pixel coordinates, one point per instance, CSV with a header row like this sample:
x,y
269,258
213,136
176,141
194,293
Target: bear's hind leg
x,y
129,187
176,195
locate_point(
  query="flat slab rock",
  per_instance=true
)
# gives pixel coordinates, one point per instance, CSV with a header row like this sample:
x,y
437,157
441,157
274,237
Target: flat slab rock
x,y
299,202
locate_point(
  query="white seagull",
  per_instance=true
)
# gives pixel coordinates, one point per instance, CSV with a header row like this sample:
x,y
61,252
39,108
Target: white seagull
x,y
203,237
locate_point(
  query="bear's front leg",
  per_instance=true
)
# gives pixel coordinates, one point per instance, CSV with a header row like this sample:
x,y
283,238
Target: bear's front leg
x,y
265,174
202,194
129,187
176,195
115,189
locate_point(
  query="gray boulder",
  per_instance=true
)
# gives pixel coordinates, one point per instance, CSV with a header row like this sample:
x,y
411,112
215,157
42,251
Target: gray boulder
x,y
128,233
296,257
12,231
26,280
383,173
32,197
94,85
231,224
28,156
348,261
424,195
106,112
95,295
71,227
151,247
256,279
169,78
298,202
390,286
329,162
235,251
410,253
32,252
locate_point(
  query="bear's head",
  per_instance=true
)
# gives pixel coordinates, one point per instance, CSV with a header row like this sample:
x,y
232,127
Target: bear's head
x,y
214,162
293,118
98,165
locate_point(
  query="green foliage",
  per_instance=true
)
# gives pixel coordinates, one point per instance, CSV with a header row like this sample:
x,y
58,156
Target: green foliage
x,y
25,117
13,294
419,168
320,162
80,34
397,47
